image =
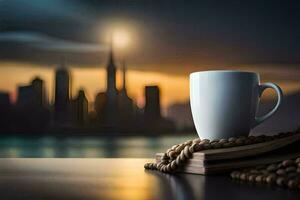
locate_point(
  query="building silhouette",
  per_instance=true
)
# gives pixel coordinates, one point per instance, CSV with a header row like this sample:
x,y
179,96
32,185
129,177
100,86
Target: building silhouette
x,y
117,112
80,109
39,91
124,89
31,113
127,110
152,103
111,117
99,105
4,100
6,113
114,110
153,121
32,95
26,96
62,94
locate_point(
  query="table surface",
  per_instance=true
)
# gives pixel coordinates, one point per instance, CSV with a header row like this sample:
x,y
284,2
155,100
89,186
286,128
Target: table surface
x,y
82,178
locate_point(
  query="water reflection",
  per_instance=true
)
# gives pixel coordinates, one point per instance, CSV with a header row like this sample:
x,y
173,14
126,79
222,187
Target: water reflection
x,y
86,146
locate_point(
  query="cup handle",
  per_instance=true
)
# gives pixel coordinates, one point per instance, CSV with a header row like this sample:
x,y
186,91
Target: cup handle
x,y
262,87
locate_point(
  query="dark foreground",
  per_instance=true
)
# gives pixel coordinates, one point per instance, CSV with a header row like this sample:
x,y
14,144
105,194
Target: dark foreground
x,y
82,178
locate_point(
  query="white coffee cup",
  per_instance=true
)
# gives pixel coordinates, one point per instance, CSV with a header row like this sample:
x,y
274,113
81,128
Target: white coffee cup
x,y
224,103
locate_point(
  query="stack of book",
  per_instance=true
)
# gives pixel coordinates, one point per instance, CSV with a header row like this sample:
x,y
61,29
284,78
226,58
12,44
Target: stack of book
x,y
227,159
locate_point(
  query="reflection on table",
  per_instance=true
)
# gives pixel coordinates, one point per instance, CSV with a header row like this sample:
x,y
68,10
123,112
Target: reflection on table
x,y
83,178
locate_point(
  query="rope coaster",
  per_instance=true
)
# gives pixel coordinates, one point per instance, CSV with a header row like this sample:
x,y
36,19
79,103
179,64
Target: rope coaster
x,y
177,155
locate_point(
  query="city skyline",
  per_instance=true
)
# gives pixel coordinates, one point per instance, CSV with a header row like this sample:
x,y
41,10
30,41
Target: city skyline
x,y
167,41
113,110
93,81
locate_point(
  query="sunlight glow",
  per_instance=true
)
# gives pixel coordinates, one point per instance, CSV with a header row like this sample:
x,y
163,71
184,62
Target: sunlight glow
x,y
120,38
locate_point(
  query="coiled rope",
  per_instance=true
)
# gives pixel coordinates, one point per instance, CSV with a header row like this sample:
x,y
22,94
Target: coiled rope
x,y
179,154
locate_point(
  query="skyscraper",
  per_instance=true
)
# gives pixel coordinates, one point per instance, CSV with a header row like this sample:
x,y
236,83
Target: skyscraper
x,y
80,108
99,105
111,88
111,108
126,109
31,113
62,93
124,90
26,96
32,95
39,91
152,106
154,122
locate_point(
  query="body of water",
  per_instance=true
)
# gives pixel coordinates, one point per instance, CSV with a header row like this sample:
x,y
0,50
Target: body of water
x,y
87,146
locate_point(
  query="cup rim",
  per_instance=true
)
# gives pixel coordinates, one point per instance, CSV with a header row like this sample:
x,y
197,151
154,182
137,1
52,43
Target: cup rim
x,y
223,71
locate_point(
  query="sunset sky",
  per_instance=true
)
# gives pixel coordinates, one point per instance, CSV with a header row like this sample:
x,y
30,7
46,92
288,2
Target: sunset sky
x,y
166,41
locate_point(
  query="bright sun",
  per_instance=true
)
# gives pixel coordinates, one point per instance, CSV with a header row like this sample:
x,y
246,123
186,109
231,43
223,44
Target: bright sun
x,y
120,38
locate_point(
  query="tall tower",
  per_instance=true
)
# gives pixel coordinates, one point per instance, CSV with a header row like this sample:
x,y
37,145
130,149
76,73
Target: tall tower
x,y
124,78
62,93
126,109
111,73
111,114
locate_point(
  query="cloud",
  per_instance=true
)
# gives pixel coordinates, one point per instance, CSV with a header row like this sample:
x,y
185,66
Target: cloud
x,y
168,37
49,43
42,10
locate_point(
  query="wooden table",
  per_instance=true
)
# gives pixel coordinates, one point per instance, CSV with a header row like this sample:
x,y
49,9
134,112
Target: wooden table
x,y
82,178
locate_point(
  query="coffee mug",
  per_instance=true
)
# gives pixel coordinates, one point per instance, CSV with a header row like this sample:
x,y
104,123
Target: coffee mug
x,y
224,103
